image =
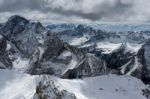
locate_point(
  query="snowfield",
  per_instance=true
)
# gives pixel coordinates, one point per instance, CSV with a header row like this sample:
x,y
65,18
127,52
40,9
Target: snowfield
x,y
107,47
103,87
78,41
16,85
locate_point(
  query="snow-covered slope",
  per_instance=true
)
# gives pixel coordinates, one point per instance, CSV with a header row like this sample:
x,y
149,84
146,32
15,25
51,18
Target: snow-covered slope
x,y
15,85
102,87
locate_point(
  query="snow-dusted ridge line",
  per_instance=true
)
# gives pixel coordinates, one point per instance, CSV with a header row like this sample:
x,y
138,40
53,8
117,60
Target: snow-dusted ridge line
x,y
15,85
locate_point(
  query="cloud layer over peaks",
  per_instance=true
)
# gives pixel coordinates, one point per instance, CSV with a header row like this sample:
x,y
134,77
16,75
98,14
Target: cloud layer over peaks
x,y
83,11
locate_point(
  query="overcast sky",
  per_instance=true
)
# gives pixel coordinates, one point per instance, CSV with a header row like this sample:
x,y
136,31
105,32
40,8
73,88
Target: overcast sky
x,y
78,11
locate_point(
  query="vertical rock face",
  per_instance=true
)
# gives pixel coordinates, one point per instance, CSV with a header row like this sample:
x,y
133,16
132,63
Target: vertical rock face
x,y
54,46
1,25
144,56
44,51
5,62
89,65
118,58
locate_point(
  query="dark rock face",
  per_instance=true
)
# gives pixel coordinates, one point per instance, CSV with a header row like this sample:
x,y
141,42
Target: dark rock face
x,y
1,25
124,62
5,62
144,56
54,46
118,58
88,66
45,52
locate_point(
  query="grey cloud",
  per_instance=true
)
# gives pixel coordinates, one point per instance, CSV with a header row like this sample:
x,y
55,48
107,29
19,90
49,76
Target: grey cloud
x,y
19,5
92,10
98,12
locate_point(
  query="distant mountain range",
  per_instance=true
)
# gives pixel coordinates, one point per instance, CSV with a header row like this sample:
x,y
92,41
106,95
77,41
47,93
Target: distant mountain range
x,y
105,27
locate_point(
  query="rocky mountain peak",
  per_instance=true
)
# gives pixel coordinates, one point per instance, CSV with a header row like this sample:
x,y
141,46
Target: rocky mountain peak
x,y
14,25
17,19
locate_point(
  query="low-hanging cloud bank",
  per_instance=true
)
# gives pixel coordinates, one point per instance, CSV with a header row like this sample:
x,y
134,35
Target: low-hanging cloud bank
x,y
130,11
